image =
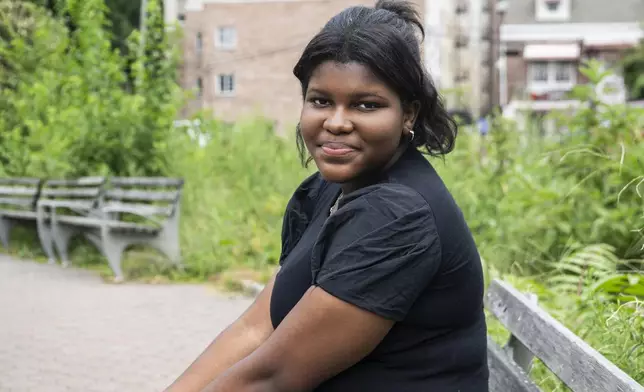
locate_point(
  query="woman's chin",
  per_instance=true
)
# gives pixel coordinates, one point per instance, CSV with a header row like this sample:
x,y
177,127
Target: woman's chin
x,y
336,173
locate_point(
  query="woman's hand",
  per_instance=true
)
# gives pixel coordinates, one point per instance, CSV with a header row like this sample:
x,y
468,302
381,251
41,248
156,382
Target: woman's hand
x,y
318,339
236,342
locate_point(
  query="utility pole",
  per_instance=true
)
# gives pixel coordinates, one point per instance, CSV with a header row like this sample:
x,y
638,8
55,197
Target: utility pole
x,y
498,8
491,56
142,31
143,22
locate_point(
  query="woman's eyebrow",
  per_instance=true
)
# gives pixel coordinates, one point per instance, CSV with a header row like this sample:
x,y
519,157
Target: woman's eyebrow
x,y
354,95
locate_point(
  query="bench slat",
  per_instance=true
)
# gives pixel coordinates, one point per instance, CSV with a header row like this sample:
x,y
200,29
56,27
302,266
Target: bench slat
x,y
29,215
71,204
122,194
18,191
78,192
146,181
577,364
17,201
82,181
112,224
133,227
79,220
505,375
20,181
138,209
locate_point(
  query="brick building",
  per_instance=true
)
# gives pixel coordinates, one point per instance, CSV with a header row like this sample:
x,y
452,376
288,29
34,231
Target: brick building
x,y
546,40
239,54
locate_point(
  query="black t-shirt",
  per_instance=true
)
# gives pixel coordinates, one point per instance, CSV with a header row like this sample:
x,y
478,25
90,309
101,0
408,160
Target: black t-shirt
x,y
399,248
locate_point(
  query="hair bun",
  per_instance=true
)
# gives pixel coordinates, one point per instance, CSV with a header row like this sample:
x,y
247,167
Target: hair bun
x,y
405,10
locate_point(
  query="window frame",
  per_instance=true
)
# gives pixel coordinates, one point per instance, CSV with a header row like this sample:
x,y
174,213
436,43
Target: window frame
x,y
226,37
220,83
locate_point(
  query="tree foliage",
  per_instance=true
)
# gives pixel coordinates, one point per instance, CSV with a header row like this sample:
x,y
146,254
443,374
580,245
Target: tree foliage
x,y
633,66
67,107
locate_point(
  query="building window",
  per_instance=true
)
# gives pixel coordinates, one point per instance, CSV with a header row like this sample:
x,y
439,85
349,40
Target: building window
x,y
199,43
461,41
226,84
550,76
552,5
226,37
539,72
199,88
552,10
563,72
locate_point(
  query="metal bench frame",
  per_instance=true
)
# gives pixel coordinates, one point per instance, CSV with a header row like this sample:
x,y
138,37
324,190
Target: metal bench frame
x,y
111,235
82,196
22,193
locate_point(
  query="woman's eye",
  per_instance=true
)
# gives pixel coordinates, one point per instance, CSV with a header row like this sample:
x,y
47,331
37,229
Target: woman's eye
x,y
368,106
319,101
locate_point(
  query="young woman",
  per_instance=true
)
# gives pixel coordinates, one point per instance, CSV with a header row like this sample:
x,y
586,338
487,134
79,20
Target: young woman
x,y
380,286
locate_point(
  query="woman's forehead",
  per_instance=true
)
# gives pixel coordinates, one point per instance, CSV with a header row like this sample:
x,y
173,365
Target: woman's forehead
x,y
345,77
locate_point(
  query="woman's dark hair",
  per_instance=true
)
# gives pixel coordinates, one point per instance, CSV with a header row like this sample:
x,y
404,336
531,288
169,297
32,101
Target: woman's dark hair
x,y
384,39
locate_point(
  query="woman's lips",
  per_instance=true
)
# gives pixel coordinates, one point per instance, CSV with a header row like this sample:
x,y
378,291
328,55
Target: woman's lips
x,y
337,149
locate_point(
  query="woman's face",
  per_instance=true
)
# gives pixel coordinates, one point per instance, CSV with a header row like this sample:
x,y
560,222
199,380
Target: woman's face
x,y
351,122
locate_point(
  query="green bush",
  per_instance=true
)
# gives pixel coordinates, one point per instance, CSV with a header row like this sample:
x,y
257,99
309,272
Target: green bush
x,y
67,109
532,199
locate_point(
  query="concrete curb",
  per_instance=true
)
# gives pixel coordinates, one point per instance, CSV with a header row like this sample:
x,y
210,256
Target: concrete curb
x,y
251,287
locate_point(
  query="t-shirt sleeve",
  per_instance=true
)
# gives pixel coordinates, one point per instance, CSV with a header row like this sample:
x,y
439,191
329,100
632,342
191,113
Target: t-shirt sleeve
x,y
379,251
298,213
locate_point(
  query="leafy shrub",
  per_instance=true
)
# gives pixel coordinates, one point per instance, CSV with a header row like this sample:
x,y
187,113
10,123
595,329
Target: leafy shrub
x,y
66,109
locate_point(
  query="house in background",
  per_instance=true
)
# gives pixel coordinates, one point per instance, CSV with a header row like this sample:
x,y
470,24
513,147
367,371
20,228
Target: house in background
x,y
238,55
544,41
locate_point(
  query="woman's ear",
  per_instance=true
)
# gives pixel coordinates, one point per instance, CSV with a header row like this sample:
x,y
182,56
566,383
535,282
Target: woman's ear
x,y
410,114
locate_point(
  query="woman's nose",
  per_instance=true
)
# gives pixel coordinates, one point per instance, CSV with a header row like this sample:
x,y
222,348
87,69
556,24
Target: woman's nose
x,y
338,122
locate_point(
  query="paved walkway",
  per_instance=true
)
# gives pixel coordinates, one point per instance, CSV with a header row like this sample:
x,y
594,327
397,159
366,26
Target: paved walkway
x,y
66,330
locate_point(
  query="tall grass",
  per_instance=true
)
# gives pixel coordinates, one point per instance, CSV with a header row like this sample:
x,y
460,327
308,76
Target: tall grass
x,y
236,190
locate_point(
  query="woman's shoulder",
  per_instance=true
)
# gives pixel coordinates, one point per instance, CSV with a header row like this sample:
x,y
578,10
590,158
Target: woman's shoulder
x,y
308,191
391,198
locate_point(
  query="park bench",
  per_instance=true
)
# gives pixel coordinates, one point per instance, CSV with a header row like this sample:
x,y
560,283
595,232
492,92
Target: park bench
x,y
74,197
18,205
136,210
534,333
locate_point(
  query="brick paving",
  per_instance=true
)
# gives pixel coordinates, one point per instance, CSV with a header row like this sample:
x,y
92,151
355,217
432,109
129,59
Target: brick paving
x,y
67,330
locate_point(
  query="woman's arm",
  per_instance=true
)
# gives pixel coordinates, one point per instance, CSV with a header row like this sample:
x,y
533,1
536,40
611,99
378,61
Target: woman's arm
x,y
235,343
318,339
377,256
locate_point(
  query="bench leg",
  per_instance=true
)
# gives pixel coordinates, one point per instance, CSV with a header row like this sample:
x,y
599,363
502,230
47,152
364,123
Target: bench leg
x,y
61,236
113,248
168,242
46,241
169,246
5,230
